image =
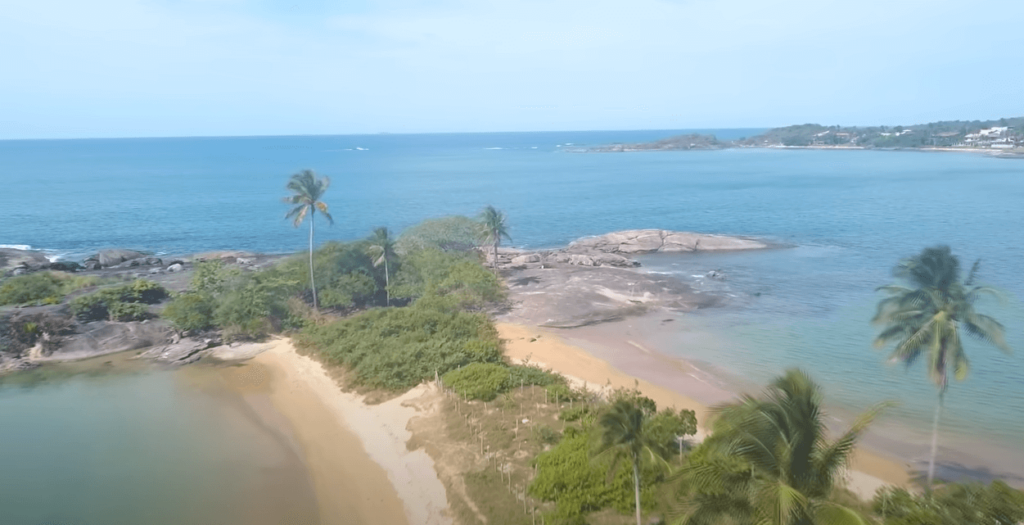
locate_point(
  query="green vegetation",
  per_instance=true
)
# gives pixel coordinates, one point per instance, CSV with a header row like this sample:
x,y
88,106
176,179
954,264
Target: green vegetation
x,y
457,275
446,234
925,318
307,190
955,504
769,461
484,381
42,287
494,228
121,303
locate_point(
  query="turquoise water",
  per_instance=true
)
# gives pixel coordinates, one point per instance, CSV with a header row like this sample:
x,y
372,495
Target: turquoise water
x,y
147,447
846,218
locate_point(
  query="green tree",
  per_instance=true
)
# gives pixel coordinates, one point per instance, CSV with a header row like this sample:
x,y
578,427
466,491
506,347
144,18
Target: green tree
x,y
307,190
623,435
494,228
382,250
769,461
926,317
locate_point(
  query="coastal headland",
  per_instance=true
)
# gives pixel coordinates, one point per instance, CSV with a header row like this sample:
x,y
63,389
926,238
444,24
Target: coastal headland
x,y
402,460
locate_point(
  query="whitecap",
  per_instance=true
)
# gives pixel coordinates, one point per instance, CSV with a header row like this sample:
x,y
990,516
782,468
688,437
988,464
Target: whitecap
x,y
494,148
16,246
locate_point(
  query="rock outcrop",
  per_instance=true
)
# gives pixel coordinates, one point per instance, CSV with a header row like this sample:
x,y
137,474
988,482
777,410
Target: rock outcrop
x,y
661,241
13,259
109,258
611,250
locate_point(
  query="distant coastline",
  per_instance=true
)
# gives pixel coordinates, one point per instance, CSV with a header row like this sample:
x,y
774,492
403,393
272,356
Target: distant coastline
x,y
999,138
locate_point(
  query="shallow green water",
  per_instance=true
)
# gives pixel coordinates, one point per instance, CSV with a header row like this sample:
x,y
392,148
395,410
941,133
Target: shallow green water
x,y
94,446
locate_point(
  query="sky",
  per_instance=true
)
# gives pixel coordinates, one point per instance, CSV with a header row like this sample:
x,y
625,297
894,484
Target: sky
x,y
151,68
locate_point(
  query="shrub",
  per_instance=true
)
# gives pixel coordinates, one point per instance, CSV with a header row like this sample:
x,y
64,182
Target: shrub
x,y
397,348
953,504
533,375
559,392
457,276
111,303
119,311
664,426
483,381
546,434
446,234
573,414
190,312
34,288
254,306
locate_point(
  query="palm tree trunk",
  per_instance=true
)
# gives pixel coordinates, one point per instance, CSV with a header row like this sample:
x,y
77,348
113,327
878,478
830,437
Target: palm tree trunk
x,y
387,281
935,442
312,283
494,263
636,488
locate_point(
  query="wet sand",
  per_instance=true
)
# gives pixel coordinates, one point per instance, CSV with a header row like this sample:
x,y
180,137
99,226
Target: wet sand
x,y
361,469
672,383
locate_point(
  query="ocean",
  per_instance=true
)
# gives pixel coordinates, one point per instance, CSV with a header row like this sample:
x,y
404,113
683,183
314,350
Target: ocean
x,y
842,218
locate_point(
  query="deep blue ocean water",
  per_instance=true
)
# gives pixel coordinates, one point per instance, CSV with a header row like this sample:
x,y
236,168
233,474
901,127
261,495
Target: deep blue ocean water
x,y
847,217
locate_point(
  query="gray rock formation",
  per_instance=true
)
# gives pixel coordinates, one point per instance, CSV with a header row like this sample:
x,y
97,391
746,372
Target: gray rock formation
x,y
107,337
664,241
181,351
12,259
108,258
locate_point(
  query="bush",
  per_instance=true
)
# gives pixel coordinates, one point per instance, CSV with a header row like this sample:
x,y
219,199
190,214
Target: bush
x,y
119,311
573,414
457,276
446,234
35,288
190,312
112,303
546,434
953,504
397,348
482,381
533,375
664,426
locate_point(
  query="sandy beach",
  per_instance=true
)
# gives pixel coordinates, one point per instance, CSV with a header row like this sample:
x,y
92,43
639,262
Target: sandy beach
x,y
357,454
549,349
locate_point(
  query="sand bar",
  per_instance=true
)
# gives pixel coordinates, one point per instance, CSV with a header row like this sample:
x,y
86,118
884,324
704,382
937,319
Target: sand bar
x,y
361,468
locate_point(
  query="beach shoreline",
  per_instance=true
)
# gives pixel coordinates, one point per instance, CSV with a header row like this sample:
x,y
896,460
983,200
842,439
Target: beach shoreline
x,y
357,454
561,352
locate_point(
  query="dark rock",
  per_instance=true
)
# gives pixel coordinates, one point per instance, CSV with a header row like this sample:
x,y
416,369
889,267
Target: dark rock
x,y
154,261
183,351
108,337
92,265
65,266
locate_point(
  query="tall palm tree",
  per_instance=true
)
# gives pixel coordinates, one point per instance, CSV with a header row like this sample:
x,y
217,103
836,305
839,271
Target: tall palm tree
x,y
926,317
623,436
783,466
494,228
307,190
382,250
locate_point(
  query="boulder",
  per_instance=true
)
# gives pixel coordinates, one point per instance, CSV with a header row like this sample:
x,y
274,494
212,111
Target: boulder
x,y
182,351
65,266
107,337
12,258
108,258
154,261
650,241
526,259
176,267
130,263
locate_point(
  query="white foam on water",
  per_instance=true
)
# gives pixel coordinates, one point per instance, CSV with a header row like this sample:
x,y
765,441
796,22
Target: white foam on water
x,y
16,246
494,148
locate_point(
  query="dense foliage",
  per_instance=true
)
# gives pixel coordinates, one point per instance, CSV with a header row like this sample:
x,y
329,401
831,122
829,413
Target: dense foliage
x,y
956,504
397,348
446,234
484,381
42,287
458,275
120,303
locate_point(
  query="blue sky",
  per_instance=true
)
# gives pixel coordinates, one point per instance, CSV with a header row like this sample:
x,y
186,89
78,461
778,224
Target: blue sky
x,y
132,68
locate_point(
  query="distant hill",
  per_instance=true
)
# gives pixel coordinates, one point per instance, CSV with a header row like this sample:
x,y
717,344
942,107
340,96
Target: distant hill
x,y
1005,134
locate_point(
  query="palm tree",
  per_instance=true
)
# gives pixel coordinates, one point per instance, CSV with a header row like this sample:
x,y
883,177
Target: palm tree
x,y
307,190
382,250
623,435
925,319
771,458
492,223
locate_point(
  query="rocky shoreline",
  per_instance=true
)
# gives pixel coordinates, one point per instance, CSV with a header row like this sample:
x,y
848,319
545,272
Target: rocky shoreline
x,y
592,280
